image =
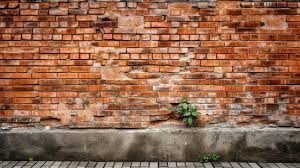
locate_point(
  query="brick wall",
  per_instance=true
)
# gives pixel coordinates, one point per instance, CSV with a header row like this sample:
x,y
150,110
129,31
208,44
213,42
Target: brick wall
x,y
109,64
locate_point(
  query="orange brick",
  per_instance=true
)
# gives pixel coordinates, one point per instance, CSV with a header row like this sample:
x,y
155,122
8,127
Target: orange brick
x,y
128,44
186,31
90,75
293,18
69,50
160,24
86,18
106,44
67,75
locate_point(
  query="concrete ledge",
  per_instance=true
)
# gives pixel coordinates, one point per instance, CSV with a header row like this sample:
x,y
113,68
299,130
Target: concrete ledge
x,y
167,144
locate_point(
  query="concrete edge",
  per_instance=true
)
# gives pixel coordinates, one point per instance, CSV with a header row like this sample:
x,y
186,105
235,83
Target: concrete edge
x,y
160,144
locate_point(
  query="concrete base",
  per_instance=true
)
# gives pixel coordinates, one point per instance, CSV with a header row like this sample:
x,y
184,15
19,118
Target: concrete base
x,y
167,144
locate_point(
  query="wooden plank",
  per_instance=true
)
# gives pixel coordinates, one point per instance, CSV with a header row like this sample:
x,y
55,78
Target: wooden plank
x,y
91,164
12,164
126,165
180,164
4,163
263,165
172,164
31,163
297,165
217,164
144,164
163,164
26,166
281,165
254,165
109,164
235,165
65,164
56,164
208,165
190,165
244,164
226,164
290,165
198,164
100,164
135,164
48,163
153,164
73,164
118,165
39,164
20,164
272,165
82,164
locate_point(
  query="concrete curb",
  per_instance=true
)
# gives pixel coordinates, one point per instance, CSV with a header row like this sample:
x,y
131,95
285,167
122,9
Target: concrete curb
x,y
164,144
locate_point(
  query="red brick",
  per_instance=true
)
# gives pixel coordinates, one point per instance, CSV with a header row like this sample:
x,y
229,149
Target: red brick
x,y
210,63
169,69
293,18
29,12
106,44
90,75
86,18
67,75
69,50
148,44
15,75
58,12
186,31
160,24
145,55
44,75
152,18
128,44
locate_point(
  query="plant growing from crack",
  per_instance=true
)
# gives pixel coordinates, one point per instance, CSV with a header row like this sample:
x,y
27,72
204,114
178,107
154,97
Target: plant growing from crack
x,y
85,102
116,103
210,157
188,111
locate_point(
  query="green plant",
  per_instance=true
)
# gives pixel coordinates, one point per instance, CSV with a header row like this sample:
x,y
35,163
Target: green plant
x,y
188,111
116,103
30,159
85,101
211,157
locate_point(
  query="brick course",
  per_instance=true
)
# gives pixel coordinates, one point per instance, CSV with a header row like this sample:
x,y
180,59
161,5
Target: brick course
x,y
123,64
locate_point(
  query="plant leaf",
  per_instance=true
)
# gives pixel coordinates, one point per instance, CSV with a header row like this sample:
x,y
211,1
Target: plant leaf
x,y
195,114
190,121
194,107
185,106
187,113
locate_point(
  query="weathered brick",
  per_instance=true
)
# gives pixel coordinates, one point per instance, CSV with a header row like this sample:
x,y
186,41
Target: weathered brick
x,y
135,58
58,12
86,18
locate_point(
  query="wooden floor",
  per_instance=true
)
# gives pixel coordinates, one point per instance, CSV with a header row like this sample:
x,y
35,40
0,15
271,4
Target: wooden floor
x,y
86,164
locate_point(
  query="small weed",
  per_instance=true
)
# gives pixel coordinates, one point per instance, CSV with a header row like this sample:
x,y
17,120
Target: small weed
x,y
85,102
212,157
188,111
116,103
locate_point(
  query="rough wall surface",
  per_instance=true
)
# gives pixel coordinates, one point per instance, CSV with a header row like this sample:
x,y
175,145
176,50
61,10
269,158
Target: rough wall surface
x,y
163,144
123,64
